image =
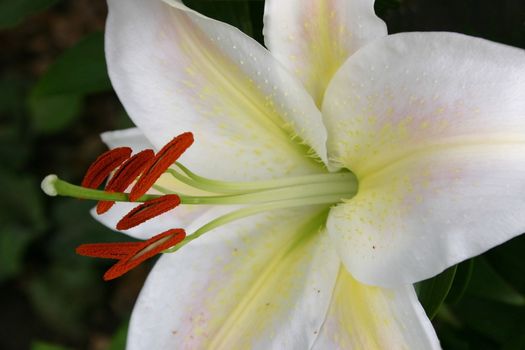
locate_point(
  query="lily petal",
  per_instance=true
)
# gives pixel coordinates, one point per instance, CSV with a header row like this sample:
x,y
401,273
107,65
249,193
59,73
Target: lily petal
x,y
430,211
433,125
412,91
132,137
367,317
314,38
262,283
176,71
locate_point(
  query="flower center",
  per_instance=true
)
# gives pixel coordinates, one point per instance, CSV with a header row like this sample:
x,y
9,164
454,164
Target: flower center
x,y
144,169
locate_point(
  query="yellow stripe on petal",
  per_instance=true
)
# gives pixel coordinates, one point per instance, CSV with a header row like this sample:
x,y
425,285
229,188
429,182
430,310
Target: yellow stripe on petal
x,y
324,34
263,282
177,71
374,318
313,38
270,298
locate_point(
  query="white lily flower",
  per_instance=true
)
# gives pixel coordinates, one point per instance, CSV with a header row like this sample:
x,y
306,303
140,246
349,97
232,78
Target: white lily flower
x,y
431,124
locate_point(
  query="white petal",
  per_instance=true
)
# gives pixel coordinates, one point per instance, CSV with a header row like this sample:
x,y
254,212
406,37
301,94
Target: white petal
x,y
178,71
433,124
314,38
367,317
431,210
132,137
263,283
412,91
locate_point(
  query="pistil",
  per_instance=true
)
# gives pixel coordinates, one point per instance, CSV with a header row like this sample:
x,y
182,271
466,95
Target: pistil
x,y
339,188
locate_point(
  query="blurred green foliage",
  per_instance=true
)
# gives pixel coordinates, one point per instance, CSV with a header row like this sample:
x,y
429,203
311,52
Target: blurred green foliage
x,y
56,99
50,120
13,12
433,292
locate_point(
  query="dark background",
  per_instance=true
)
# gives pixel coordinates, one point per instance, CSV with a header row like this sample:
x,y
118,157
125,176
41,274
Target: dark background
x,y
55,98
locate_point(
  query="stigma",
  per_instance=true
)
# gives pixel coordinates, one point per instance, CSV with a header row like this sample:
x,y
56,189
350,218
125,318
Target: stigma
x,y
141,172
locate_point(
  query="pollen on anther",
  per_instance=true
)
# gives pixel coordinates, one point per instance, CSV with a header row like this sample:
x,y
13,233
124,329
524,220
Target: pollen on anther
x,y
131,254
117,250
148,210
152,247
162,161
104,165
125,175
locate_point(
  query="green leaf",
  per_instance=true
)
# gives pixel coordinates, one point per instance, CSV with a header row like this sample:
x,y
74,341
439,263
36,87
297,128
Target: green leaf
x,y
76,226
14,240
516,341
56,99
432,292
79,70
236,13
53,113
13,123
13,12
508,261
487,283
62,295
22,200
382,6
38,345
461,281
491,319
12,93
118,342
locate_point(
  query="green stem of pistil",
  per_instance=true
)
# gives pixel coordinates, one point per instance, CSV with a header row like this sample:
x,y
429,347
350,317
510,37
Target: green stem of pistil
x,y
52,185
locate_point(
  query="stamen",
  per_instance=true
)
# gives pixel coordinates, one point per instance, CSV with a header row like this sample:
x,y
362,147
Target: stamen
x,y
163,160
148,210
131,254
125,175
104,165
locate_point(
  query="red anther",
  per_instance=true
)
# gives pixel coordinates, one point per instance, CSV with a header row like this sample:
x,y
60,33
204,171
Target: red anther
x,y
131,254
148,210
117,250
104,165
163,160
125,175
